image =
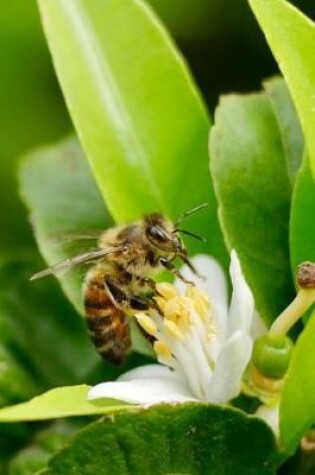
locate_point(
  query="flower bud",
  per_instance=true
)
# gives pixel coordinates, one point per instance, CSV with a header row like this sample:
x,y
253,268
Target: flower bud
x,y
306,275
271,355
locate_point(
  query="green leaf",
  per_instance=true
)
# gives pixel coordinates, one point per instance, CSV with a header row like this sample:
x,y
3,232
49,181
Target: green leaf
x,y
253,189
13,437
65,204
41,329
141,121
297,408
60,402
33,457
291,37
289,126
29,461
184,439
302,228
32,112
16,384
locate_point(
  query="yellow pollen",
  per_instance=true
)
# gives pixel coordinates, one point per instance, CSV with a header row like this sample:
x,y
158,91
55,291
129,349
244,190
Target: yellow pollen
x,y
162,350
195,293
146,323
161,303
166,290
202,309
201,302
177,309
173,330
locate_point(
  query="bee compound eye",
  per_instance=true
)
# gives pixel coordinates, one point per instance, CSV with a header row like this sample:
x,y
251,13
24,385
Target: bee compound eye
x,y
158,234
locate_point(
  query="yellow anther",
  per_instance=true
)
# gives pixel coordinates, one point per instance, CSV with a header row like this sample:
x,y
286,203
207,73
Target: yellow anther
x,y
162,350
173,330
161,303
195,293
201,302
146,323
202,309
177,309
166,290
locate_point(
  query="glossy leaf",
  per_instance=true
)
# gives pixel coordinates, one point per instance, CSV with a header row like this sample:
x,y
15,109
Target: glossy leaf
x,y
62,197
191,439
253,188
302,232
32,110
60,402
291,37
297,409
289,126
141,121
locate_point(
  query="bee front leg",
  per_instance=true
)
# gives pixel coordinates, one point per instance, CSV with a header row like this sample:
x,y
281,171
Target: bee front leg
x,y
171,268
187,261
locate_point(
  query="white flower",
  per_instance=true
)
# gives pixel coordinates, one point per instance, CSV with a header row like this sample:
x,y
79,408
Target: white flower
x,y
202,344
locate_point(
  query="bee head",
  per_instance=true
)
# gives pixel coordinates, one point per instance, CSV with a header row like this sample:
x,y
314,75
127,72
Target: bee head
x,y
161,234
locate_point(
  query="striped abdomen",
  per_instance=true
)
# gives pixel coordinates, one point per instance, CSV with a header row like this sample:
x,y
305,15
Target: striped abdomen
x,y
107,324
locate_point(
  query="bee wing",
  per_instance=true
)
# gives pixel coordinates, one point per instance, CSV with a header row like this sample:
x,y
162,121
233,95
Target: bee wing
x,y
73,261
64,238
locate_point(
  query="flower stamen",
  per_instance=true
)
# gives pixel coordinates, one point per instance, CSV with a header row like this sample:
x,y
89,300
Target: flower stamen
x,y
162,350
205,343
177,310
166,290
173,330
147,324
183,329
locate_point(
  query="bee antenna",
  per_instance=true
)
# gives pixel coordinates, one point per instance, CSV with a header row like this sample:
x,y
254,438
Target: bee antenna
x,y
200,238
189,212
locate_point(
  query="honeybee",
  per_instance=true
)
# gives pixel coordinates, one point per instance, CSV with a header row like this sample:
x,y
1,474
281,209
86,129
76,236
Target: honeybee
x,y
119,282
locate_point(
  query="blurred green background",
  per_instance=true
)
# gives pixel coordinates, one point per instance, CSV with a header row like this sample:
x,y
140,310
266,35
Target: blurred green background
x,y
226,52
221,41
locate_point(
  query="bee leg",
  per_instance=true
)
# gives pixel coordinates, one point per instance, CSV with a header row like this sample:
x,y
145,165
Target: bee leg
x,y
171,268
185,259
116,294
144,303
149,282
139,303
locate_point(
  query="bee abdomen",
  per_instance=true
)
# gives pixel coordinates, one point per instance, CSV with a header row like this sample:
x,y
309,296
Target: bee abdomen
x,y
107,324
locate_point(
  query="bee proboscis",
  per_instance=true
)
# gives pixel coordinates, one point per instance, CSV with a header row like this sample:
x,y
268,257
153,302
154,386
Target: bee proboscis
x,y
119,281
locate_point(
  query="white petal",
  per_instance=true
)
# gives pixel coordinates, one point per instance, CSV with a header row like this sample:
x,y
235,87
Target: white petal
x,y
271,416
150,371
214,283
142,391
229,368
242,303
